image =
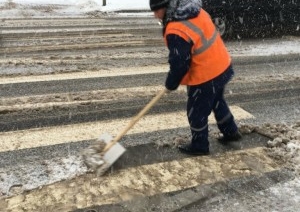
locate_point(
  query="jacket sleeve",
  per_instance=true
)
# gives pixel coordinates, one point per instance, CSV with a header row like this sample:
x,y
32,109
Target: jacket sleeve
x,y
179,60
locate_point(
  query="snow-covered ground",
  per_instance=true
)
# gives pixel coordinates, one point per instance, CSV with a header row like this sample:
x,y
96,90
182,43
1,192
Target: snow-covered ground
x,y
66,8
290,150
84,8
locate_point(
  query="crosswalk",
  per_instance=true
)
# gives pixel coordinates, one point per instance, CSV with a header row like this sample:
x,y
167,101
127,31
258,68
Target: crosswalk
x,y
57,177
32,138
48,119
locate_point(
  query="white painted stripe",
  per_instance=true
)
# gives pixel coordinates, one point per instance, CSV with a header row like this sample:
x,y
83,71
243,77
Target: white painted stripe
x,y
72,133
87,74
123,36
66,30
78,98
142,181
72,46
58,99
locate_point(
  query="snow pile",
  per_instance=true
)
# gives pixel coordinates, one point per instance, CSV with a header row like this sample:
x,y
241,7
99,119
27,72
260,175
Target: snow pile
x,y
284,145
88,5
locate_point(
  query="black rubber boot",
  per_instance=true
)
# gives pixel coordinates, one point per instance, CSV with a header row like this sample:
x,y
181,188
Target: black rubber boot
x,y
231,138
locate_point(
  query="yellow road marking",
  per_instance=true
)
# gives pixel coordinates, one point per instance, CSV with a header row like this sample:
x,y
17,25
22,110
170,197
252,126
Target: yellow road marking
x,y
147,180
85,131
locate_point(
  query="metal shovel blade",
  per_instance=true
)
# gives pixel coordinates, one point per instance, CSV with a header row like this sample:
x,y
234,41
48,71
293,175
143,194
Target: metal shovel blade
x,y
100,161
114,152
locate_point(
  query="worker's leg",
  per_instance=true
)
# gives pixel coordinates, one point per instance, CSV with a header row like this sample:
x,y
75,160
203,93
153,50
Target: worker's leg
x,y
224,117
199,106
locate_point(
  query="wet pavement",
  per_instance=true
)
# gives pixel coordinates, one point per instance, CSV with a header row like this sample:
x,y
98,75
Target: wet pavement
x,y
48,116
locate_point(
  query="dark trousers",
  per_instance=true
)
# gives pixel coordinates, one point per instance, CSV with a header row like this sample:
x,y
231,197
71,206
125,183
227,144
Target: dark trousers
x,y
202,100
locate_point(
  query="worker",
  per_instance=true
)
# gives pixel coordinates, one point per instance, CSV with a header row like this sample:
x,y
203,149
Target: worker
x,y
198,59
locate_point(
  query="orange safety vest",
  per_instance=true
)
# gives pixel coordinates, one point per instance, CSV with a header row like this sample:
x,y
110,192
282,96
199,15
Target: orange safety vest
x,y
210,57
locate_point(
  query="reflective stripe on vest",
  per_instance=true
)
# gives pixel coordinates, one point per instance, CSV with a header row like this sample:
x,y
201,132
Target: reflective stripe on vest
x,y
210,57
206,43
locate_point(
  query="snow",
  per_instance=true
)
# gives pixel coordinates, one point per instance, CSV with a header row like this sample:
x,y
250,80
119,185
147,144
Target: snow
x,y
283,47
79,8
75,8
67,8
111,5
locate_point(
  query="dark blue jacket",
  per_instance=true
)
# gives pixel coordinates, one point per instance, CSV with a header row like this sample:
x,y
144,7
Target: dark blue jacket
x,y
179,60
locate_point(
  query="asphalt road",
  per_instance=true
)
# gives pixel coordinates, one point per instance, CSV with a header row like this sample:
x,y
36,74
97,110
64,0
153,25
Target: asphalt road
x,y
67,73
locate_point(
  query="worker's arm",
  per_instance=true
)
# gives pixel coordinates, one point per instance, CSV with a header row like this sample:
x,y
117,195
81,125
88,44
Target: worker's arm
x,y
179,60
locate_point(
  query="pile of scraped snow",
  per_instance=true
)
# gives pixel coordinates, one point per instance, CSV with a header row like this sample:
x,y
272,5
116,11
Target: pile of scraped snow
x,y
284,145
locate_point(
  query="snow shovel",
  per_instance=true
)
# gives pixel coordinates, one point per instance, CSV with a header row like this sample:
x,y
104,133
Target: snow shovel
x,y
100,156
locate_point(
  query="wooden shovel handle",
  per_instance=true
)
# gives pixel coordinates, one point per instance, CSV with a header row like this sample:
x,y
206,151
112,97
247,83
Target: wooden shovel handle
x,y
135,119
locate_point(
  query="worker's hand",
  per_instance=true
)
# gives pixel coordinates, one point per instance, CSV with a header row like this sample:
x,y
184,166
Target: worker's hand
x,y
171,87
168,91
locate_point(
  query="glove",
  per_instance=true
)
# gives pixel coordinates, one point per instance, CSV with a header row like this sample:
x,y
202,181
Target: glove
x,y
168,91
